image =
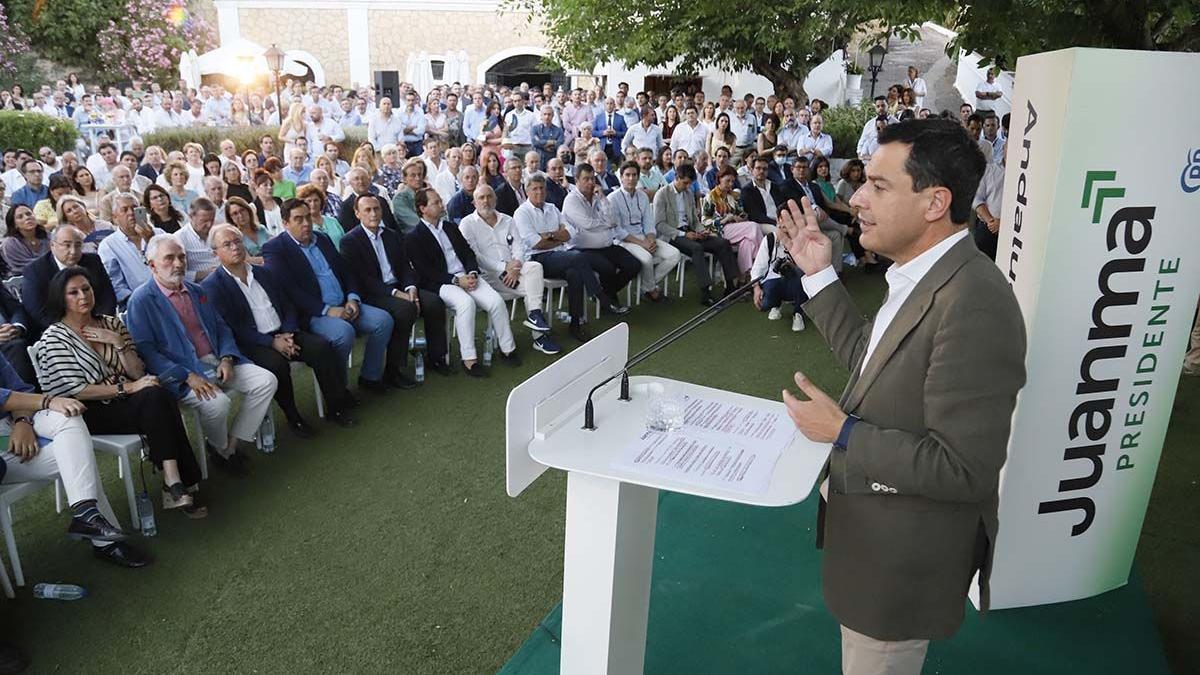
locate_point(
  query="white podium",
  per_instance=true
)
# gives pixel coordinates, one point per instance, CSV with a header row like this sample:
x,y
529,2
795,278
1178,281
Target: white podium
x,y
611,512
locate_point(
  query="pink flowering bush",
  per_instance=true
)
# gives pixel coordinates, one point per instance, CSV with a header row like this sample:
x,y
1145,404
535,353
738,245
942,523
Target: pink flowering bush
x,y
13,44
148,39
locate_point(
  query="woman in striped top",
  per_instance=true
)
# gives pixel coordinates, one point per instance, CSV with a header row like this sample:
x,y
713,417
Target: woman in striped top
x,y
91,357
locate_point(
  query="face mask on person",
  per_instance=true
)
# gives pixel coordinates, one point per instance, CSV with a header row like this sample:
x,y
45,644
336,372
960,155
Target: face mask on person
x,y
781,160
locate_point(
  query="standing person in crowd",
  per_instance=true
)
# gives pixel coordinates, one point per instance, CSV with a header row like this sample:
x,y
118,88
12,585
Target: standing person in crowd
x,y
446,265
722,137
66,250
646,134
547,137
610,128
501,255
378,259
24,239
518,129
634,219
293,127
327,298
412,125
574,114
586,211
722,215
987,93
691,135
267,329
454,122
668,121
90,356
492,133
988,205
189,347
676,221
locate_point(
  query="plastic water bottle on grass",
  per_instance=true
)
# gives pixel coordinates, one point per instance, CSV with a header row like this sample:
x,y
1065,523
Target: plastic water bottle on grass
x,y
420,368
59,592
266,434
489,343
145,511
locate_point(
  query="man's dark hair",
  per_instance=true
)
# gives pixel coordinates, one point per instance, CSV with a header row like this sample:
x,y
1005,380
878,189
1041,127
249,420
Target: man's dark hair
x,y
106,144
685,172
370,195
127,153
628,165
1004,122
880,98
940,153
285,209
760,158
582,169
26,163
56,295
422,198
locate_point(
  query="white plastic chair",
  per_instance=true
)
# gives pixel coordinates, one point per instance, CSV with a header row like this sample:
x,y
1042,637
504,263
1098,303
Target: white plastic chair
x,y
9,495
13,285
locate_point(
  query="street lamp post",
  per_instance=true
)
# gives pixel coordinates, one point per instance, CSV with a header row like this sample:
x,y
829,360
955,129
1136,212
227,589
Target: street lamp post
x,y
274,57
876,55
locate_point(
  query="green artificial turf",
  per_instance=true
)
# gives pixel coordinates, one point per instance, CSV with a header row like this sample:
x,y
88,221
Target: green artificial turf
x,y
392,547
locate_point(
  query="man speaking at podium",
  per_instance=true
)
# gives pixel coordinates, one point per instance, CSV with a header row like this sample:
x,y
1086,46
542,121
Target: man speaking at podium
x,y
909,500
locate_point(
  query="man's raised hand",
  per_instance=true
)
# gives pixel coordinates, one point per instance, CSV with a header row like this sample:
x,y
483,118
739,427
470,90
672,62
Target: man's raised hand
x,y
799,232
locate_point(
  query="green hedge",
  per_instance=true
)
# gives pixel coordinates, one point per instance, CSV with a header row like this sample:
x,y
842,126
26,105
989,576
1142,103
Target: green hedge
x,y
245,138
31,130
845,124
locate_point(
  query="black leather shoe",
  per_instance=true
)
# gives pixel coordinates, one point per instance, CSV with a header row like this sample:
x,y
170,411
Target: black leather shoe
x,y
342,418
373,386
401,381
235,465
12,661
95,528
476,370
350,400
579,332
122,555
512,358
442,368
301,428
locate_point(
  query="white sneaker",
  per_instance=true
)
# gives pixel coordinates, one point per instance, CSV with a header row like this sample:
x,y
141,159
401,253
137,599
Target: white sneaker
x,y
797,323
774,314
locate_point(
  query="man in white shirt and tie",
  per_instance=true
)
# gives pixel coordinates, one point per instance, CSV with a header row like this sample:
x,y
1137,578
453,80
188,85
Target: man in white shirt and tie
x,y
634,218
501,256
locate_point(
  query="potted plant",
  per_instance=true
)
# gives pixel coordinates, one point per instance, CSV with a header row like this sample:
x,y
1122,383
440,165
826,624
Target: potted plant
x,y
854,73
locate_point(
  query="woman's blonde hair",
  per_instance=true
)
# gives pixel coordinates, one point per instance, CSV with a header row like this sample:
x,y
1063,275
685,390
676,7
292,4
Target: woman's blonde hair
x,y
176,166
295,115
365,157
62,201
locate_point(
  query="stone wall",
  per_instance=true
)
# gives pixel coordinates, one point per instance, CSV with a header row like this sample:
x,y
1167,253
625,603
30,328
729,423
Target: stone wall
x,y
320,32
395,33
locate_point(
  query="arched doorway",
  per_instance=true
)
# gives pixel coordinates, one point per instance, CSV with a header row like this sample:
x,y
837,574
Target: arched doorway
x,y
530,68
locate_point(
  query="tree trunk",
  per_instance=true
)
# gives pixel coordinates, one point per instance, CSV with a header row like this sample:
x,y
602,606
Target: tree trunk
x,y
787,81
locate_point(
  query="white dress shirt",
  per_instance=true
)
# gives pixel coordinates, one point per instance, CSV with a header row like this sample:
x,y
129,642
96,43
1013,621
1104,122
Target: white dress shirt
x,y
200,257
641,136
901,279
987,88
745,129
690,139
768,201
991,190
824,143
385,265
494,245
591,219
266,319
532,222
454,266
518,126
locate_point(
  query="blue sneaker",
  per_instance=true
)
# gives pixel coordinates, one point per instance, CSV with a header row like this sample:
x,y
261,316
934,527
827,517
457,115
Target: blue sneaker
x,y
537,321
546,345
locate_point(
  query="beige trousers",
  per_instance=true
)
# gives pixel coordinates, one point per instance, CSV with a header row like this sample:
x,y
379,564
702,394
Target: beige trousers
x,y
862,655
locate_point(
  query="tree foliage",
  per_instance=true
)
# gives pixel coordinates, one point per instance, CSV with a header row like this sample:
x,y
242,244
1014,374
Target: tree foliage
x,y
1003,30
147,41
782,41
64,30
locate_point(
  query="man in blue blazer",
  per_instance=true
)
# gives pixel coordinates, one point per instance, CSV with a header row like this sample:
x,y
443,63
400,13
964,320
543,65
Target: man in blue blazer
x,y
609,126
380,265
327,299
266,329
185,342
66,249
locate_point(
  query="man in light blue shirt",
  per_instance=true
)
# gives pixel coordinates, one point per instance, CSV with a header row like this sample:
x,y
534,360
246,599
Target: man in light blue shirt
x,y
412,124
385,127
634,218
297,170
474,117
124,251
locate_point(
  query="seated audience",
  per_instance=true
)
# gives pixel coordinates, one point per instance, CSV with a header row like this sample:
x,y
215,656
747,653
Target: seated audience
x,y
800,185
314,197
634,219
445,265
24,239
379,261
510,194
90,356
722,214
48,439
244,217
72,211
194,238
266,328
185,342
66,250
676,221
124,251
462,203
586,211
319,284
501,256
162,209
359,182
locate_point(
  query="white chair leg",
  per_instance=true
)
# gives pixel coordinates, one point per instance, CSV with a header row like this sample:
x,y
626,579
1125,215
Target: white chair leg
x,y
201,451
512,312
6,582
11,541
58,495
126,472
319,397
679,277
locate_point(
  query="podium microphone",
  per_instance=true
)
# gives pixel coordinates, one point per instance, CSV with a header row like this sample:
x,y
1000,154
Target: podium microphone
x,y
782,266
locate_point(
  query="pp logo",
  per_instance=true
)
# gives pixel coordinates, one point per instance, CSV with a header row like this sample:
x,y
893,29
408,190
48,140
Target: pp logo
x,y
1189,180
